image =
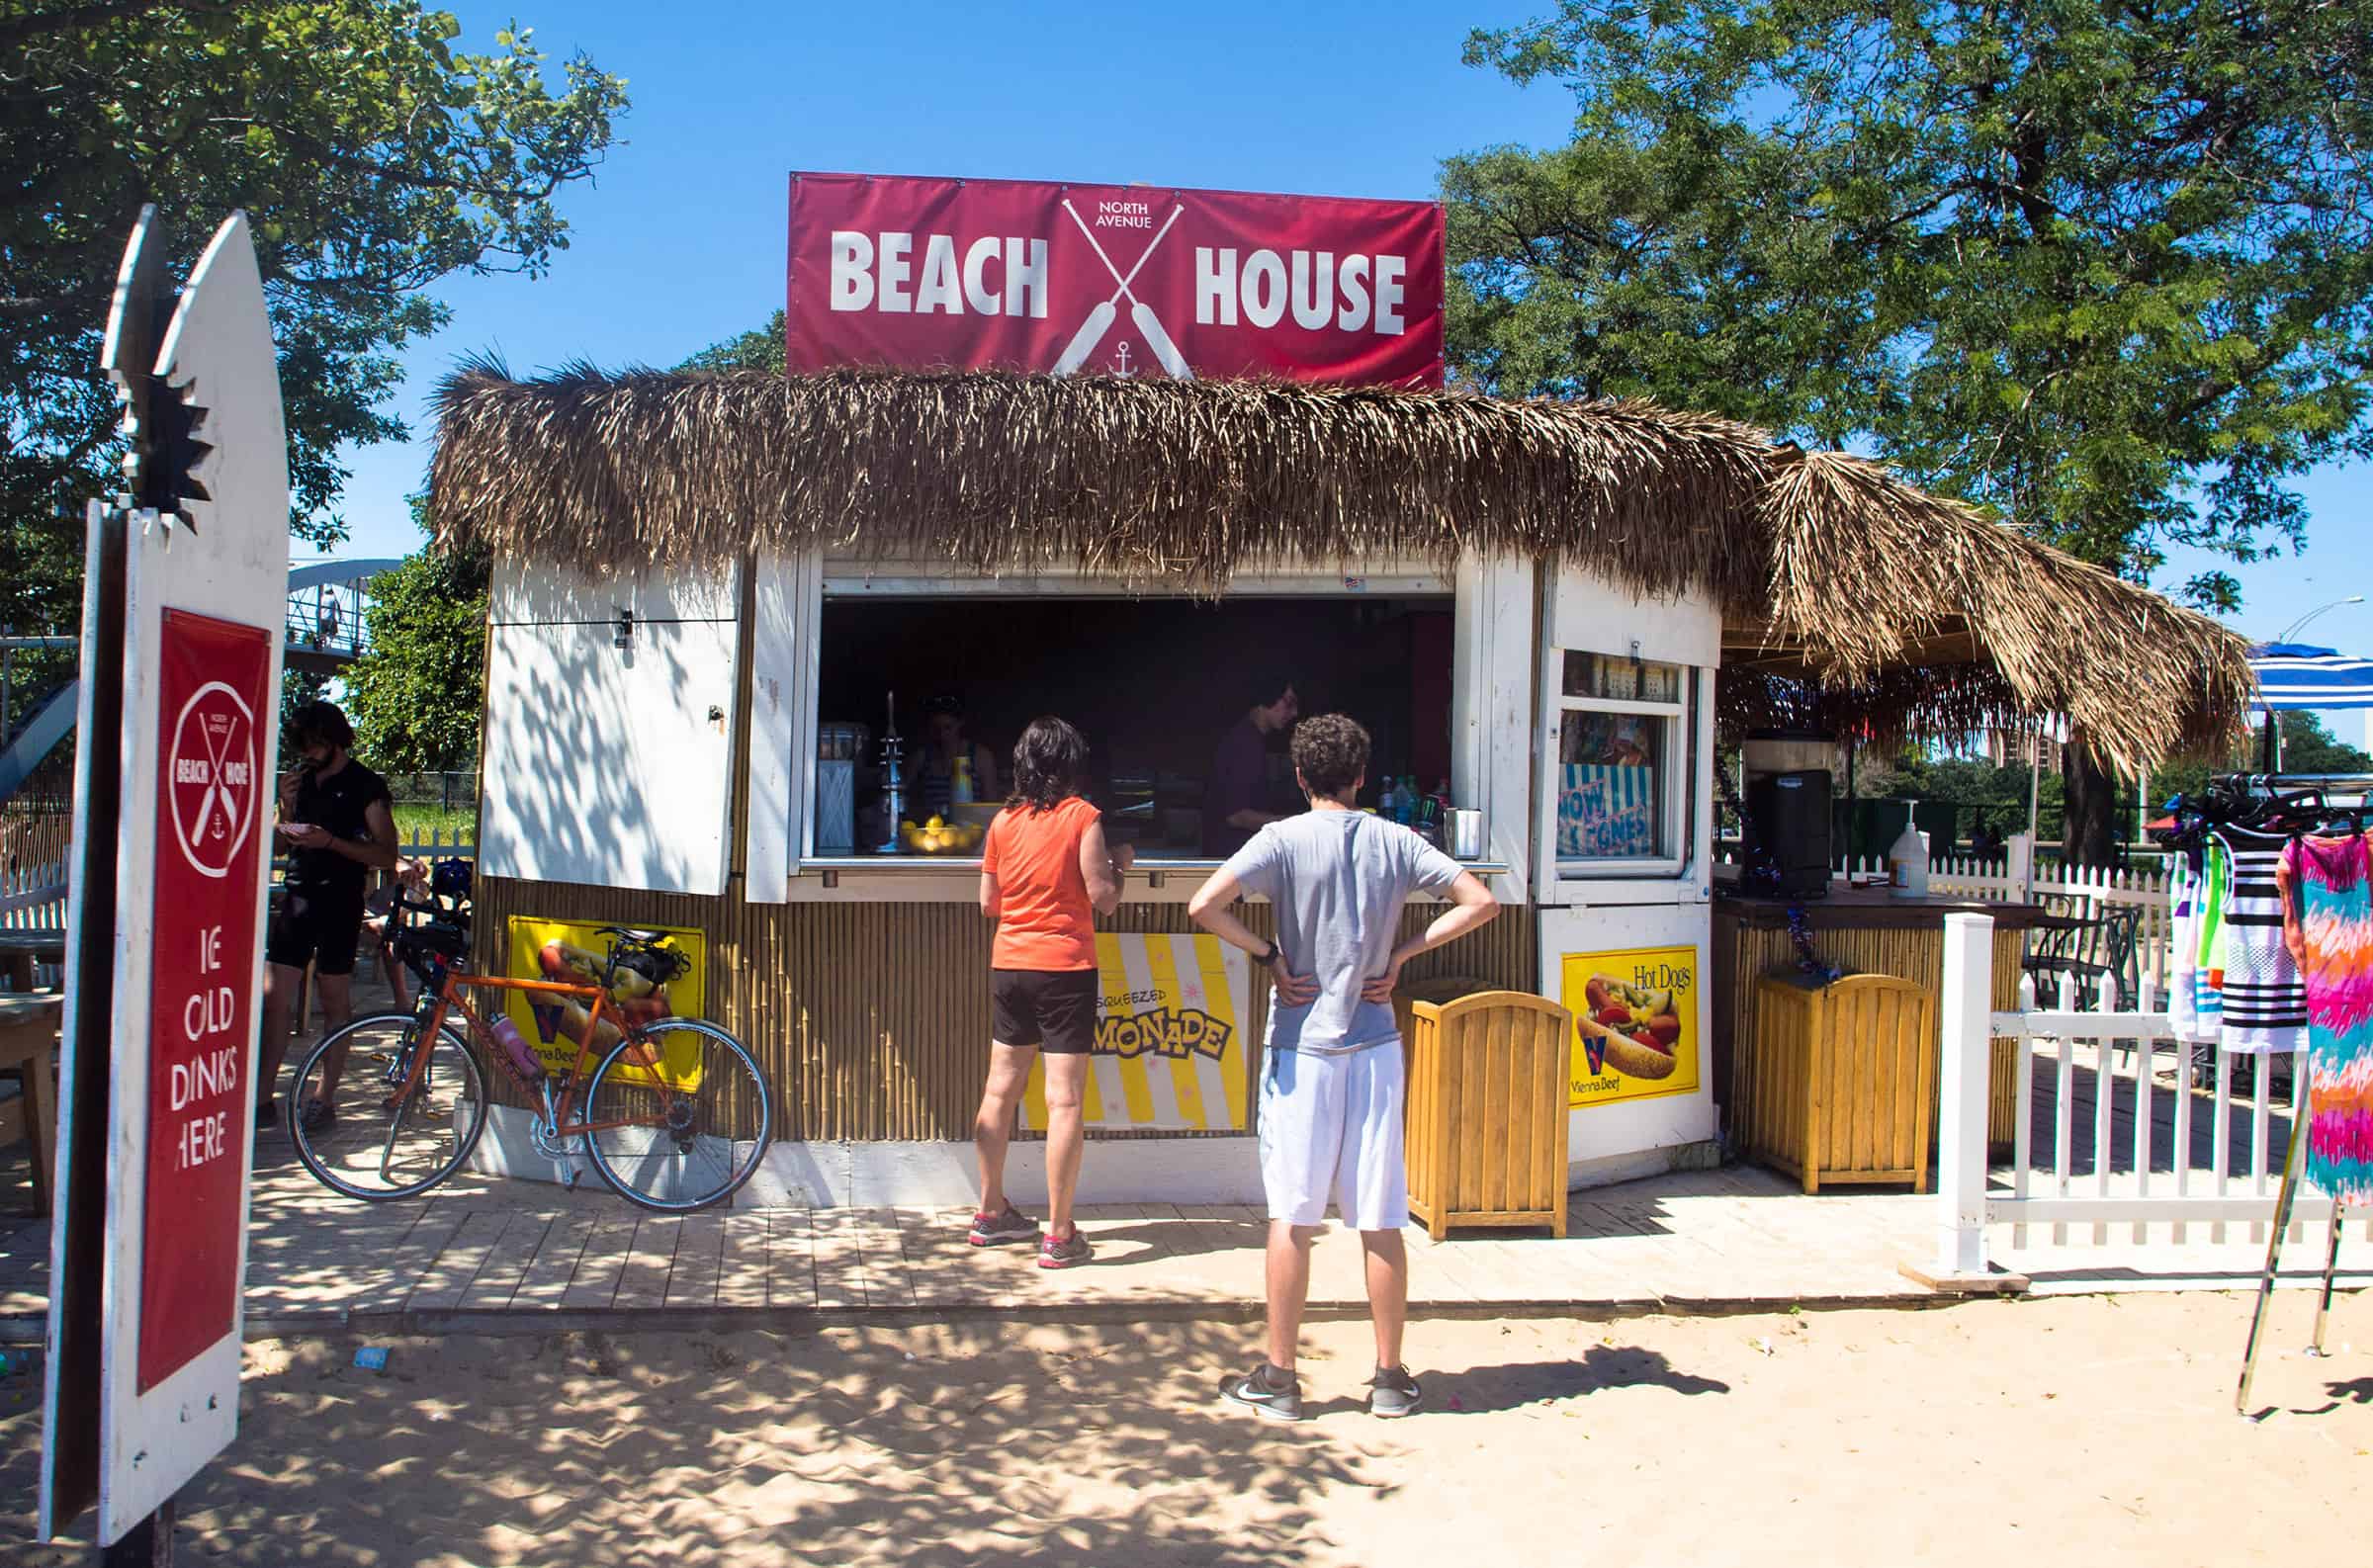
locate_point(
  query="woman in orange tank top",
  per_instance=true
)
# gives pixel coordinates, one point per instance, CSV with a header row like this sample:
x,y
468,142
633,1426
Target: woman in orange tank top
x,y
1045,875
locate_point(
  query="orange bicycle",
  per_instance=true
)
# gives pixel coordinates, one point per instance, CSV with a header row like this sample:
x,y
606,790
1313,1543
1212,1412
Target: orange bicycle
x,y
675,1115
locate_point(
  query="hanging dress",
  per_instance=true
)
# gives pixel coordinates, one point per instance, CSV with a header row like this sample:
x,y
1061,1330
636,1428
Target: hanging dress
x,y
2264,1002
2208,919
2183,947
2330,883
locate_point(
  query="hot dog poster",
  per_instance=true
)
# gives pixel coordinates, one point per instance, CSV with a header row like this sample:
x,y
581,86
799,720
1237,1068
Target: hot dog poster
x,y
1635,1023
576,952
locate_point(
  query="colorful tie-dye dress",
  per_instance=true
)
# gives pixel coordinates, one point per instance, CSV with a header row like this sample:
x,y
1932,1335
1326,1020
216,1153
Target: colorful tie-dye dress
x,y
2330,933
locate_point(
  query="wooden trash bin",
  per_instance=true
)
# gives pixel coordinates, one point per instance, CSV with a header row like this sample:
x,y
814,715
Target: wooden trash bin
x,y
1486,1124
1846,1080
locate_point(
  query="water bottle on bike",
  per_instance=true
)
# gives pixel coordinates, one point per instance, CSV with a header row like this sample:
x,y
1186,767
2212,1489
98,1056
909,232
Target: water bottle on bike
x,y
518,1048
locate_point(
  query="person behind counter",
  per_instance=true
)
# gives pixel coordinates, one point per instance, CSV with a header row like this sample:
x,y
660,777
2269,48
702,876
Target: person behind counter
x,y
1236,806
1045,875
943,745
1332,1084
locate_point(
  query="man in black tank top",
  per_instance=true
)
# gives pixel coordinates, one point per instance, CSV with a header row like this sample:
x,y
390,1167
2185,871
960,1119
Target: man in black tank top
x,y
334,815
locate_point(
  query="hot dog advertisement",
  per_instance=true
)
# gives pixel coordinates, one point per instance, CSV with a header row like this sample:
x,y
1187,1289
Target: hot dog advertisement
x,y
1635,1023
576,953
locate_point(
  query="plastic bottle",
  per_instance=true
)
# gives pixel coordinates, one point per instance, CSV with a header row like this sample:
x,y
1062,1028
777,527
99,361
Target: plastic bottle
x,y
959,788
515,1045
1907,862
1405,803
1384,798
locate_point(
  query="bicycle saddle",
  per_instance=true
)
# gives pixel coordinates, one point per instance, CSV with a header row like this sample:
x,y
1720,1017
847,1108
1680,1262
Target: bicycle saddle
x,y
646,937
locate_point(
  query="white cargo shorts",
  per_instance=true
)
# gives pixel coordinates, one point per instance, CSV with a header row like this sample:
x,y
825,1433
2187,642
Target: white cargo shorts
x,y
1331,1127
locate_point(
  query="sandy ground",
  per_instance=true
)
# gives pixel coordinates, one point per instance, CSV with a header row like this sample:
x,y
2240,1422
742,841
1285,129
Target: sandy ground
x,y
2091,1431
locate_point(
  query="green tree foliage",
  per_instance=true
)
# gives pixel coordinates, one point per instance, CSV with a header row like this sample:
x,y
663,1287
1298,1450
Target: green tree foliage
x,y
758,350
2107,268
416,693
372,158
2104,268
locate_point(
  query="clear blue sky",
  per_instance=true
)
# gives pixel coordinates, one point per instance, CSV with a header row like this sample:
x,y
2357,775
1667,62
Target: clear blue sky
x,y
679,239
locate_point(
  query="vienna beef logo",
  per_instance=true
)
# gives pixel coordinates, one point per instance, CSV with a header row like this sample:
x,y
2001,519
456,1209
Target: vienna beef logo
x,y
1172,1034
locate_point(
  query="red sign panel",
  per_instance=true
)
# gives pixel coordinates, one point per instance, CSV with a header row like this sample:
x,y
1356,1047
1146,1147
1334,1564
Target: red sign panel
x,y
211,708
1112,280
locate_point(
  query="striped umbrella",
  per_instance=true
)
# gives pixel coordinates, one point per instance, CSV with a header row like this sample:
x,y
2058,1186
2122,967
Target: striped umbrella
x,y
2295,675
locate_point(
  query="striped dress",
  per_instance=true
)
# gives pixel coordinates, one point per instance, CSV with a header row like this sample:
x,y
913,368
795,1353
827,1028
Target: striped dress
x,y
2264,1002
2330,934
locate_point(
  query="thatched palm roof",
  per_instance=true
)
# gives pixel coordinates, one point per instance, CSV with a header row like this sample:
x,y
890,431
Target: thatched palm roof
x,y
1843,588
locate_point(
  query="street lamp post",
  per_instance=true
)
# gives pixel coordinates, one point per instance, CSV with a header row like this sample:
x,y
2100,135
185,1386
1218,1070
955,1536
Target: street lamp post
x,y
2292,630
2272,761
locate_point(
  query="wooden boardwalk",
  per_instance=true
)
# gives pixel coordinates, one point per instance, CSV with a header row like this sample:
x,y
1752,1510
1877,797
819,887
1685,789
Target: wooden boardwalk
x,y
489,1253
485,1248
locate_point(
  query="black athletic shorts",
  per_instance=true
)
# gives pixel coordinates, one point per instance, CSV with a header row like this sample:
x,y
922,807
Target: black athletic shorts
x,y
315,927
1053,1010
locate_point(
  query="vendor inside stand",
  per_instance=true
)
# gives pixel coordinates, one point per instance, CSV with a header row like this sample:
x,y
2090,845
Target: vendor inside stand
x,y
1157,685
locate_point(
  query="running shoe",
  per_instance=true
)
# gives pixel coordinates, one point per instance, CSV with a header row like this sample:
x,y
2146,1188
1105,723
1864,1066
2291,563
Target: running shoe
x,y
1068,1252
267,1112
1393,1392
1270,1394
316,1116
1000,1230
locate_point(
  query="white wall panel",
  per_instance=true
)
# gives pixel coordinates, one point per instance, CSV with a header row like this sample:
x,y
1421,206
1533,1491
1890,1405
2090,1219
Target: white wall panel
x,y
604,766
1596,616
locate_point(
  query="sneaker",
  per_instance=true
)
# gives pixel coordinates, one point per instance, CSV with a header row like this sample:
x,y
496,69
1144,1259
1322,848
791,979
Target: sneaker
x,y
1068,1252
998,1230
1393,1392
267,1112
1273,1395
316,1116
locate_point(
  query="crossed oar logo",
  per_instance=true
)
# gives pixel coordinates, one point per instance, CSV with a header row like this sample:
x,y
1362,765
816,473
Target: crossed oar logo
x,y
222,780
1099,321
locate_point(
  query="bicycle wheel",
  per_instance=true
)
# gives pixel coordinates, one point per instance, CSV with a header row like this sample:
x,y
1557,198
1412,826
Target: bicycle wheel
x,y
686,1137
373,1148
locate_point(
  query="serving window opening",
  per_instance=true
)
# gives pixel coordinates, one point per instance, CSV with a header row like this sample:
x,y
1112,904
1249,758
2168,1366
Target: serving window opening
x,y
1154,685
1624,729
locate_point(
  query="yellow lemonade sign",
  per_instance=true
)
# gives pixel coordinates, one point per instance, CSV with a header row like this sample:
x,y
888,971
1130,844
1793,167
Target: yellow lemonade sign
x,y
576,953
1635,1023
1170,1048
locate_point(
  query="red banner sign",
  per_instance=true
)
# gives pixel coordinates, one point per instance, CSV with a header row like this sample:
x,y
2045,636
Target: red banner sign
x,y
1112,280
211,761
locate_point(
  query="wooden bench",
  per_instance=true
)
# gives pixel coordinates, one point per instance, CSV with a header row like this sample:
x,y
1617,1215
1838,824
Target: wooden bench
x,y
28,1054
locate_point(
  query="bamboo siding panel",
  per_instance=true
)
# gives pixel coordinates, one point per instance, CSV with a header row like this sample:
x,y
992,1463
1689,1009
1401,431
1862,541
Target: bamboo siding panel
x,y
871,1020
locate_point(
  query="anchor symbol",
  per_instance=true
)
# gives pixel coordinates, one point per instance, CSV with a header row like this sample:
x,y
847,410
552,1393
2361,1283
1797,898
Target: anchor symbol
x,y
1122,353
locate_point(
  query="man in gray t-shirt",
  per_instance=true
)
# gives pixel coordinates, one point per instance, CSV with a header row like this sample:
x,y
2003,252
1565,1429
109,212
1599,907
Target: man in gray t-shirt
x,y
1338,880
1331,1083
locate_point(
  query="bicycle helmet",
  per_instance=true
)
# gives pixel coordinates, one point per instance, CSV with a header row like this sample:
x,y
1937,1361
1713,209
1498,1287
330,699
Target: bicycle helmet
x,y
450,879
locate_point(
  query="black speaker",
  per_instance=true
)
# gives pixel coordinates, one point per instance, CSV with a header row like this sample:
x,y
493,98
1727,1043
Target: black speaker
x,y
1787,834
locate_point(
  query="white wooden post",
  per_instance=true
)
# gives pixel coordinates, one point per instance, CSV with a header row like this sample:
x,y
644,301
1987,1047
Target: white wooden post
x,y
1965,1011
2020,868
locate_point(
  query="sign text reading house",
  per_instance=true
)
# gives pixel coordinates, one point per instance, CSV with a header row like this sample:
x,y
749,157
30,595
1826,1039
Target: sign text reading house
x,y
1112,280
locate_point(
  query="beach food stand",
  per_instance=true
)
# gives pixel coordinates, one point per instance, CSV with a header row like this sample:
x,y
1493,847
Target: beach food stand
x,y
716,597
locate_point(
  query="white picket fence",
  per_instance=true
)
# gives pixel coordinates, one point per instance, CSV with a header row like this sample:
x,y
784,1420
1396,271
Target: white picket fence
x,y
2093,890
33,897
2154,1176
436,846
